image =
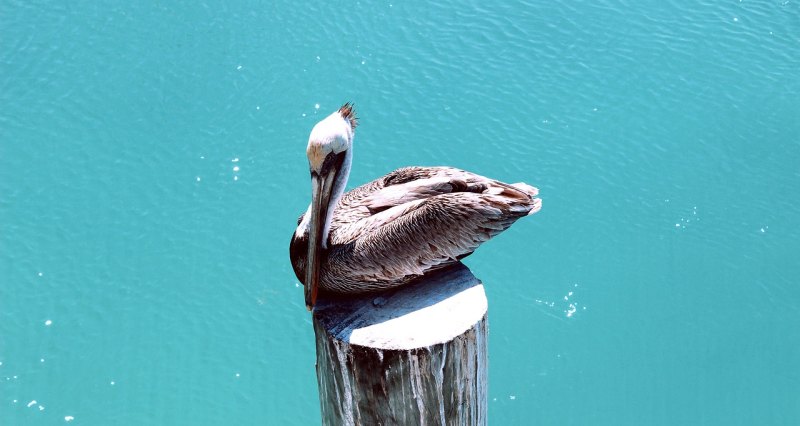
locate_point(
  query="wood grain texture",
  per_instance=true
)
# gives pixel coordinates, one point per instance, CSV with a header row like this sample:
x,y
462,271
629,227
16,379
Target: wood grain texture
x,y
414,355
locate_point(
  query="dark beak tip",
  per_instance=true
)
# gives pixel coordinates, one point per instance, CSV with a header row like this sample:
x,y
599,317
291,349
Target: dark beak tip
x,y
309,302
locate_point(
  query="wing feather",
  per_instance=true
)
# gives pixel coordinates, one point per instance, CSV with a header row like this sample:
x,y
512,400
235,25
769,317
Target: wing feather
x,y
415,220
407,241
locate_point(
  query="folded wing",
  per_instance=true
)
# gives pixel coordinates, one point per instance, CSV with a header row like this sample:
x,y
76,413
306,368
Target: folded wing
x,y
418,219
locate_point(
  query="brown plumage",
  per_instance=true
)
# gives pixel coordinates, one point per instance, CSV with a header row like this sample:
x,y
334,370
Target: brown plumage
x,y
401,226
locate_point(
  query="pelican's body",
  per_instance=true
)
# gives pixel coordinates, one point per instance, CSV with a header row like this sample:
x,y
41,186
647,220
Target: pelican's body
x,y
396,228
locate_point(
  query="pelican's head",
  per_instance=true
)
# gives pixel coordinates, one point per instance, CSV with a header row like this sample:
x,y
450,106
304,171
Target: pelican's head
x,y
330,138
329,154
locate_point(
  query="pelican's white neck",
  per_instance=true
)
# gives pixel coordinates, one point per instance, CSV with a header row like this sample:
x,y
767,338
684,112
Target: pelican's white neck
x,y
338,190
339,185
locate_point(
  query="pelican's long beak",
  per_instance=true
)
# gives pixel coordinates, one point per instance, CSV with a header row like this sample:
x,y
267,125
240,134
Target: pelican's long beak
x,y
328,156
321,190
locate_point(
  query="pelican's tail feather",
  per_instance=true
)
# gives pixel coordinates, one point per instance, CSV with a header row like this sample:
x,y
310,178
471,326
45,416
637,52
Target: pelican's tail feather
x,y
524,187
532,192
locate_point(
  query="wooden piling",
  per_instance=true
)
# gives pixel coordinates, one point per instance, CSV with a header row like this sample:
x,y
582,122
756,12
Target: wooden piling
x,y
415,355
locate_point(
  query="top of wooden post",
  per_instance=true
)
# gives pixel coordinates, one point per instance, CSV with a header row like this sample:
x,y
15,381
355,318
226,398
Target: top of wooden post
x,y
434,310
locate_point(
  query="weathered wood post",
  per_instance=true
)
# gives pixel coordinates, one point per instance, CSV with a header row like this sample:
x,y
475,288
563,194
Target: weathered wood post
x,y
415,355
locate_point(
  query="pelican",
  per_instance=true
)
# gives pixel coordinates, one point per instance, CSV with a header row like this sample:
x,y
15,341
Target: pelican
x,y
397,228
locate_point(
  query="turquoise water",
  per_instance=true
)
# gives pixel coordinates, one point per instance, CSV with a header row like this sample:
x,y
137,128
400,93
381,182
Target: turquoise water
x,y
152,169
